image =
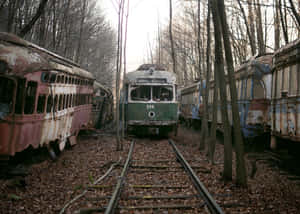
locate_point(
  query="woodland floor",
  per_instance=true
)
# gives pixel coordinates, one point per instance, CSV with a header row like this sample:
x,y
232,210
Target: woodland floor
x,y
50,185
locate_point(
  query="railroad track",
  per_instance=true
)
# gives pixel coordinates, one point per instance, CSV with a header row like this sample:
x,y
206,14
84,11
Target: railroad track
x,y
166,182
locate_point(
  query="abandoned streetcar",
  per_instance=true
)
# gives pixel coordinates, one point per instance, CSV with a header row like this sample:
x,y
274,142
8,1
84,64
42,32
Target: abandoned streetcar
x,y
285,103
253,85
150,100
45,99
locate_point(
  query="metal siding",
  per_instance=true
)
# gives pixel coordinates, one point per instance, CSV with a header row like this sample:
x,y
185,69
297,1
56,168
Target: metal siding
x,y
163,111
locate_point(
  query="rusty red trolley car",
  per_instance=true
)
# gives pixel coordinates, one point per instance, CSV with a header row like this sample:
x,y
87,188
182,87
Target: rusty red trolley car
x,y
45,99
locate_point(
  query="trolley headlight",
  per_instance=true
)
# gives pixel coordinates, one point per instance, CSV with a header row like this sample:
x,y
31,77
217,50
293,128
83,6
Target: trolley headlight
x,y
151,114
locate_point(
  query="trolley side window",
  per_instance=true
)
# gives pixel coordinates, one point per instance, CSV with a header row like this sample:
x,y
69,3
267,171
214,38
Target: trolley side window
x,y
279,83
30,97
293,79
41,104
6,96
258,89
248,88
49,104
140,93
20,96
162,93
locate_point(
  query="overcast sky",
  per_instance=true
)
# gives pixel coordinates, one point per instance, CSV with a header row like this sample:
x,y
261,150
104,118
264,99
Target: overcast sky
x,y
144,17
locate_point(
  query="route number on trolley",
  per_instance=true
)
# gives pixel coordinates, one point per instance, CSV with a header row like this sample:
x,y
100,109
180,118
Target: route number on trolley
x,y
150,106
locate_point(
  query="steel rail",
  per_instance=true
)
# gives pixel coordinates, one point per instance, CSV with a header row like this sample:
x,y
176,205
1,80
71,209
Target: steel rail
x,y
210,202
116,195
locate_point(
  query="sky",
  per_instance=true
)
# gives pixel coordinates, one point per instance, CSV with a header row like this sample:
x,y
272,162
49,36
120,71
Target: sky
x,y
144,17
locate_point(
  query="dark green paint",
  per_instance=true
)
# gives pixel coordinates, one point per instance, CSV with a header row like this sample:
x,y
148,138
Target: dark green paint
x,y
163,111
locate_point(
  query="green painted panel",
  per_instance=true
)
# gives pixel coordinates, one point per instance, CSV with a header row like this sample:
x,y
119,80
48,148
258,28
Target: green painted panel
x,y
144,111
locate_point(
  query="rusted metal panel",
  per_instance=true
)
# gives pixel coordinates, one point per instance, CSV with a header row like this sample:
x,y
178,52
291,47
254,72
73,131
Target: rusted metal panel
x,y
25,63
285,96
150,76
23,57
151,123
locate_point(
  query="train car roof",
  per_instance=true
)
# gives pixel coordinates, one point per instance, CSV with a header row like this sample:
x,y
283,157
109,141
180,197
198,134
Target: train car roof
x,y
150,76
102,87
287,54
148,66
190,88
23,57
262,62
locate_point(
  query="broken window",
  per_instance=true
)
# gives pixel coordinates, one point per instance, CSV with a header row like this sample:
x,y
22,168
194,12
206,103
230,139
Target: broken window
x,y
41,104
162,93
6,96
49,103
293,79
45,77
60,102
71,101
30,97
20,96
141,93
55,103
248,88
52,78
258,89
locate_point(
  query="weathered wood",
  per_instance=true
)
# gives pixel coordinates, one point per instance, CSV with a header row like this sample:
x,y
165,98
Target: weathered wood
x,y
153,171
177,206
153,197
165,167
145,197
158,186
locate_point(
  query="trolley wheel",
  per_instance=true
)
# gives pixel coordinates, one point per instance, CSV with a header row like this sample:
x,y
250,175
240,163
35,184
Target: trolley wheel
x,y
52,153
273,142
176,129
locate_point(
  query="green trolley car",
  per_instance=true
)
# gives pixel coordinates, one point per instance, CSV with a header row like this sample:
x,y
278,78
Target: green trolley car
x,y
150,98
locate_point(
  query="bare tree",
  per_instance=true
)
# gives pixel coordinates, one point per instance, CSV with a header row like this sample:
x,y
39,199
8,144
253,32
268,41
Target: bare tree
x,y
241,168
276,26
39,12
251,39
220,77
296,14
124,73
118,73
283,24
259,29
171,37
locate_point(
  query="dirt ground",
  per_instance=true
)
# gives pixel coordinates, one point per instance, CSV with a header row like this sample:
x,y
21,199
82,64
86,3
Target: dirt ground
x,y
52,184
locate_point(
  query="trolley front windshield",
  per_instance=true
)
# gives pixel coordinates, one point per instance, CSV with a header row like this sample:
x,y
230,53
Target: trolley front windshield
x,y
159,93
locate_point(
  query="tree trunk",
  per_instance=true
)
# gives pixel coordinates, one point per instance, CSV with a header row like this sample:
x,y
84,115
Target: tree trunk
x,y
297,16
204,130
11,15
39,12
251,41
118,73
219,66
239,148
213,128
171,38
83,16
283,24
276,26
259,29
251,24
211,147
124,73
